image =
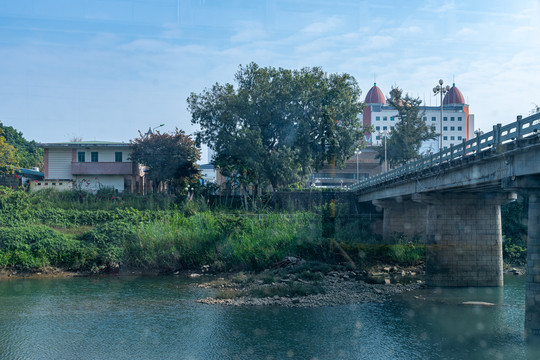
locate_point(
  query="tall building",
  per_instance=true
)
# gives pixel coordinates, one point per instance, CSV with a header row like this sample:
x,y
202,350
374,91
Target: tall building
x,y
457,122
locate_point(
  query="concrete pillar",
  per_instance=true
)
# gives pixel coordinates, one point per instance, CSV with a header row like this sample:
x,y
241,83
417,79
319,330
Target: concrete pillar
x,y
402,217
532,295
464,238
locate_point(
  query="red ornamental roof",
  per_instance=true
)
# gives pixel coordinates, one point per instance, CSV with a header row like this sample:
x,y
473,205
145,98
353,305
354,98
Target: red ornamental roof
x,y
453,96
375,96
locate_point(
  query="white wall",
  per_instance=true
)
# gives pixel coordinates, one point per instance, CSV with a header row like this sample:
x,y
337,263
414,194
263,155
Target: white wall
x,y
94,183
104,154
59,164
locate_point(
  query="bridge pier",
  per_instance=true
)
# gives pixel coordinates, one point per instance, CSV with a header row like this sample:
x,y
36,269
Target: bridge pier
x,y
402,217
464,238
532,292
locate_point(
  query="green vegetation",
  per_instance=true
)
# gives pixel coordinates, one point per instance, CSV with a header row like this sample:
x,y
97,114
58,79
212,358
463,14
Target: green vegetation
x,y
170,158
104,232
94,232
27,153
278,125
406,137
514,229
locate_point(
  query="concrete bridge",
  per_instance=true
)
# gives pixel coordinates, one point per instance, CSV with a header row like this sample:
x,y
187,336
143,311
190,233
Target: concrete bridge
x,y
452,200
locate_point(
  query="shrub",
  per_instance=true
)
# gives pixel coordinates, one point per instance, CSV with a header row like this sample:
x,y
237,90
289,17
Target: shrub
x,y
33,247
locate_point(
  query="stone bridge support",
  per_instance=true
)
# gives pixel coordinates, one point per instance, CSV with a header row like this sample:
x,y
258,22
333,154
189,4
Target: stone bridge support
x,y
532,292
402,217
464,238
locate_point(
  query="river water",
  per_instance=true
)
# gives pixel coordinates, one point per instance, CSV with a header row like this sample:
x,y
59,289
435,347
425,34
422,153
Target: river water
x,y
157,318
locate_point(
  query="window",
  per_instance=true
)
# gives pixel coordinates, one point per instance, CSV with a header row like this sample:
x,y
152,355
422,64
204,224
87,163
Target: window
x,y
94,156
459,128
378,118
118,156
385,127
452,128
433,118
459,118
425,118
391,118
452,138
377,128
445,128
459,138
385,118
81,156
445,137
378,137
445,118
452,118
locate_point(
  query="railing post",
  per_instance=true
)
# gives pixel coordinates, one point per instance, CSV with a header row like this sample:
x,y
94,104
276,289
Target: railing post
x,y
478,142
518,128
497,135
464,147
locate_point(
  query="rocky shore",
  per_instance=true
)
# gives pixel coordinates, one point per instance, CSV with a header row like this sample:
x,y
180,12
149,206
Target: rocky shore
x,y
293,287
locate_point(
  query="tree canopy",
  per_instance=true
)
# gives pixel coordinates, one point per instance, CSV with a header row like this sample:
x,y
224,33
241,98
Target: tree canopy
x,y
8,156
406,138
168,157
28,153
278,125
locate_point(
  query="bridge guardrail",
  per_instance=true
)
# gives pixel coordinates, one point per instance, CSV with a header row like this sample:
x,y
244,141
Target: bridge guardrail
x,y
481,142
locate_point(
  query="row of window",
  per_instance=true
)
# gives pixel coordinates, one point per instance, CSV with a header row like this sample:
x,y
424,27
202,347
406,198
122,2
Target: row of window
x,y
444,138
94,156
445,128
452,118
433,118
452,138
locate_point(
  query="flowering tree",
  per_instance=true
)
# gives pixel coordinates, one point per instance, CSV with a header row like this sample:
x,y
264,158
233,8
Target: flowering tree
x,y
8,157
169,158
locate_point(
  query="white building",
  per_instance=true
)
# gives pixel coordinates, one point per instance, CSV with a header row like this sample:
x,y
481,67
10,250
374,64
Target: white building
x,y
89,165
457,124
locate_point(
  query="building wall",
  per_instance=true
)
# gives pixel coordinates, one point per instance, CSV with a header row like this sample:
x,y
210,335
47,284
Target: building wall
x,y
104,154
59,164
385,118
94,183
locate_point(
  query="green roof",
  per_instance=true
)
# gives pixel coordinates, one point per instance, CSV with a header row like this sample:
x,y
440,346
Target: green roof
x,y
84,143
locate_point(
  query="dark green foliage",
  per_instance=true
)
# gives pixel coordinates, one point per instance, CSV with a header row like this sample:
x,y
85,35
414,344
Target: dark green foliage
x,y
28,153
33,247
278,124
514,229
108,240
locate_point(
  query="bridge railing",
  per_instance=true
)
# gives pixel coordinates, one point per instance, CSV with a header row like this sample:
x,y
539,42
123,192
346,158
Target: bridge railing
x,y
481,142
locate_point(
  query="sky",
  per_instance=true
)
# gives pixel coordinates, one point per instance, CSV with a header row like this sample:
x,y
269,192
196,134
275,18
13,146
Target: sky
x,y
105,69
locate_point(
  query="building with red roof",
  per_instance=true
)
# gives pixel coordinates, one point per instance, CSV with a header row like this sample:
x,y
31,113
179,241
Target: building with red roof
x,y
457,122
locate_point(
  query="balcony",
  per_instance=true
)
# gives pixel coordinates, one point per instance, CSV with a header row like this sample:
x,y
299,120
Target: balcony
x,y
102,168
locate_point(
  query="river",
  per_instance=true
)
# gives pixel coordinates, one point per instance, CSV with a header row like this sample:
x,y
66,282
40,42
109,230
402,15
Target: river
x,y
155,317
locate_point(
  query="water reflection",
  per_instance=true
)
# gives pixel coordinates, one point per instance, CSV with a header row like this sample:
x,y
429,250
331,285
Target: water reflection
x,y
156,318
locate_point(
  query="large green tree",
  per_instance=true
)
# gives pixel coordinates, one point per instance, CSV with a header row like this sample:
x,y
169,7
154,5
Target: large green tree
x,y
278,125
405,139
28,153
169,158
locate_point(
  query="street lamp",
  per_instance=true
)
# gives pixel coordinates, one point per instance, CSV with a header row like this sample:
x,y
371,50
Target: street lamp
x,y
384,134
151,131
440,89
357,152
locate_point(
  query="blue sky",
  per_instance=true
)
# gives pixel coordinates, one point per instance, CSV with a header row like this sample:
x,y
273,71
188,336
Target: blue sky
x,y
104,69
